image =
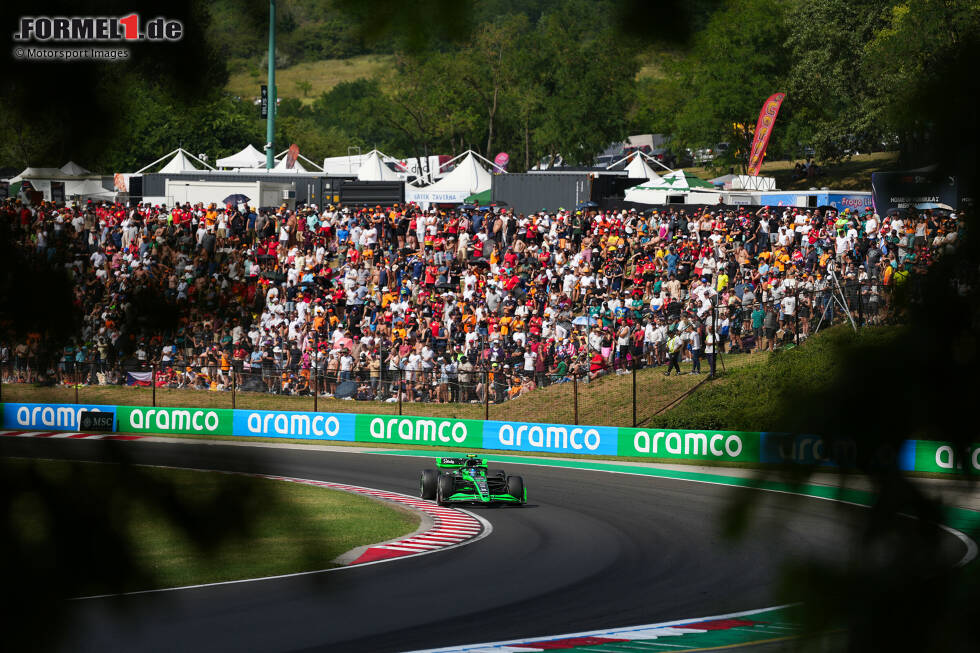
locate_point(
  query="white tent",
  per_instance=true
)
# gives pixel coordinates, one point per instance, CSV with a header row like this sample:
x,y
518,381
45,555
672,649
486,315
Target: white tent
x,y
745,182
467,178
72,168
374,168
675,184
85,185
181,161
638,169
250,157
297,167
87,189
282,157
39,173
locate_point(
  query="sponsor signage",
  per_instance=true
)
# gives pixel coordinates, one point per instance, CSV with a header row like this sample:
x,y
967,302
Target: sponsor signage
x,y
943,458
554,438
419,430
914,188
708,446
786,448
763,131
855,202
294,424
690,445
209,421
779,448
52,417
96,421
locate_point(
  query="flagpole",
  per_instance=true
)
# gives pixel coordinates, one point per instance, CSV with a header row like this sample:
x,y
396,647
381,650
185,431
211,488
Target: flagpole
x,y
270,121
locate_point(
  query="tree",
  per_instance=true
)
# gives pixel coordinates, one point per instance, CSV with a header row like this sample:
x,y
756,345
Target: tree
x,y
837,100
304,87
490,65
587,75
923,62
736,62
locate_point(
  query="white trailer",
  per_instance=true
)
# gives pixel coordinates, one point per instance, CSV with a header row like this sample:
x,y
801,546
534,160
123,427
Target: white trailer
x,y
262,194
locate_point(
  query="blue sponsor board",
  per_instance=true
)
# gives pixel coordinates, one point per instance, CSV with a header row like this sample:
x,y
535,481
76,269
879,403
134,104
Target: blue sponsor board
x,y
787,448
49,417
294,424
554,438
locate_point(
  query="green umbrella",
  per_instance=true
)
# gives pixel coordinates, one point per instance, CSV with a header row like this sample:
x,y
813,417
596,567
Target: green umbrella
x,y
480,198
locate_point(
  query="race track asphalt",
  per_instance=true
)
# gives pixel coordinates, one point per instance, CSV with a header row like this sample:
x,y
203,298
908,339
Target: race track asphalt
x,y
591,550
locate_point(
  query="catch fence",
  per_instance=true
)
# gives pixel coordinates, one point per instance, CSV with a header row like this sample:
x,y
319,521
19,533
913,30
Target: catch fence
x,y
625,387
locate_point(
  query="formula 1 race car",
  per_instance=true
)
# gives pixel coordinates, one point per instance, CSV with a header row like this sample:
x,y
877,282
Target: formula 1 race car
x,y
467,480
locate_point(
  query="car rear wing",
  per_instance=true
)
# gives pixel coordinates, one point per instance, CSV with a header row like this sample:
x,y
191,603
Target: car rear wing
x,y
455,463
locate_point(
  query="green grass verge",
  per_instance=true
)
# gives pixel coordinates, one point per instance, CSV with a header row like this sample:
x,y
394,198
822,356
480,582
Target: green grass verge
x,y
167,522
322,75
607,401
752,397
851,174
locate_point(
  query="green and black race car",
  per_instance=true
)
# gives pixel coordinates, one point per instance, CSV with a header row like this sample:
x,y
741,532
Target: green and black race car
x,y
467,480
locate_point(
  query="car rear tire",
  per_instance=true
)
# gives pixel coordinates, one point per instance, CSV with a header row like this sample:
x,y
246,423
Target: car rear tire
x,y
444,489
427,484
515,487
497,472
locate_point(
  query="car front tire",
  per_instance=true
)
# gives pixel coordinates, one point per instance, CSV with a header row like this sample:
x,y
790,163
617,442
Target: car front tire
x,y
445,488
515,487
428,482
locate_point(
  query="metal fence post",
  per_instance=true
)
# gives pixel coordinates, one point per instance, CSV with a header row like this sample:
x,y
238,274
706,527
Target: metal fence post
x,y
77,381
634,394
796,315
314,360
398,389
153,382
316,394
486,394
861,287
234,373
575,396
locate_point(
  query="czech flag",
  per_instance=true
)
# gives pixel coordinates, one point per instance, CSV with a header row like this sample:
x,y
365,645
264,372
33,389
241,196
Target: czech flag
x,y
142,379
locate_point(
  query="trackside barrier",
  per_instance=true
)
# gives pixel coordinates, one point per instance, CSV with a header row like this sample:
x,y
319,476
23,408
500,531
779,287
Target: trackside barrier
x,y
669,445
48,417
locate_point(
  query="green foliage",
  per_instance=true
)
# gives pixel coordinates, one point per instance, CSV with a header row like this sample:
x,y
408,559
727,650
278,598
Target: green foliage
x,y
587,79
837,100
737,61
924,63
755,397
306,30
532,79
216,125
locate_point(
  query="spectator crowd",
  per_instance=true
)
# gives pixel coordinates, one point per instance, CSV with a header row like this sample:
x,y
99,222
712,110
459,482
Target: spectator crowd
x,y
445,304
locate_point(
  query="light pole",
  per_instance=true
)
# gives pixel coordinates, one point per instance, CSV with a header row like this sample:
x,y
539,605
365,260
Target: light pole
x,y
270,121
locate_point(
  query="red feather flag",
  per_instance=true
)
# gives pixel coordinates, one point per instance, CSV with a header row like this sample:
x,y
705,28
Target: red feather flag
x,y
763,130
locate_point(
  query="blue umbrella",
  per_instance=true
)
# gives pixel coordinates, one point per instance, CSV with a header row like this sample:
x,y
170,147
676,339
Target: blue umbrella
x,y
584,320
237,198
586,205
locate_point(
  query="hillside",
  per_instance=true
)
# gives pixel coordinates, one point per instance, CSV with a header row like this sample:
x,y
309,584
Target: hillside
x,y
321,75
